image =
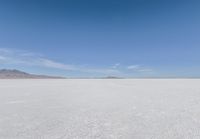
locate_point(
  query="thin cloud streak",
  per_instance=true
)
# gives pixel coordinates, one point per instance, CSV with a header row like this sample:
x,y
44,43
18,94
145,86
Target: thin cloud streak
x,y
139,68
19,57
133,67
116,65
52,64
25,58
2,58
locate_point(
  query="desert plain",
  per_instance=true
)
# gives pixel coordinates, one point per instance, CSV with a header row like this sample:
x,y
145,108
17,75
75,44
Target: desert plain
x,y
100,109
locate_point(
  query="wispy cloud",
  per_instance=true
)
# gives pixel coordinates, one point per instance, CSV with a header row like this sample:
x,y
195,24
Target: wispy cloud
x,y
2,58
116,65
53,64
20,57
139,68
145,70
133,67
5,50
26,58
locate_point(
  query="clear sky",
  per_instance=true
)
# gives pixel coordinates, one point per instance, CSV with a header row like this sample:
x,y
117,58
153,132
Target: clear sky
x,y
132,38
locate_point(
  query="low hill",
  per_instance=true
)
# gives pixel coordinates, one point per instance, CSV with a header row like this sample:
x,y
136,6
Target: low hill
x,y
17,74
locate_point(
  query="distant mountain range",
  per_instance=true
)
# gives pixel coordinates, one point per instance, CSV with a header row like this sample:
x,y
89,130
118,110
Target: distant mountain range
x,y
17,74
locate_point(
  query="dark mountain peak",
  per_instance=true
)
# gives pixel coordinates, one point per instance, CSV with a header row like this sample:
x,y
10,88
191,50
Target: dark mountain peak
x,y
11,71
17,74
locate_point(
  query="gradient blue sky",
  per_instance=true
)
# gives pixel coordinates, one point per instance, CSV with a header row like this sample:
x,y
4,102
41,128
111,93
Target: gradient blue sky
x,y
132,38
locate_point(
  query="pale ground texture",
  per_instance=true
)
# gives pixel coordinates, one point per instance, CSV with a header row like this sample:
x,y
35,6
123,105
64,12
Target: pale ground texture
x,y
100,109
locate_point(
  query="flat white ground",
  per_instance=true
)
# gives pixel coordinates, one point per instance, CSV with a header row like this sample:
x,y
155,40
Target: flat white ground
x,y
100,109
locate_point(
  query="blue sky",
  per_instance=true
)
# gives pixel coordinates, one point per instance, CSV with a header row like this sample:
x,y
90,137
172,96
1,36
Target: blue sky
x,y
94,38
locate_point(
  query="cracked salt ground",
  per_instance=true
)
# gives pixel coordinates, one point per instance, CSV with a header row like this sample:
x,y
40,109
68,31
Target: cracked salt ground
x,y
100,109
